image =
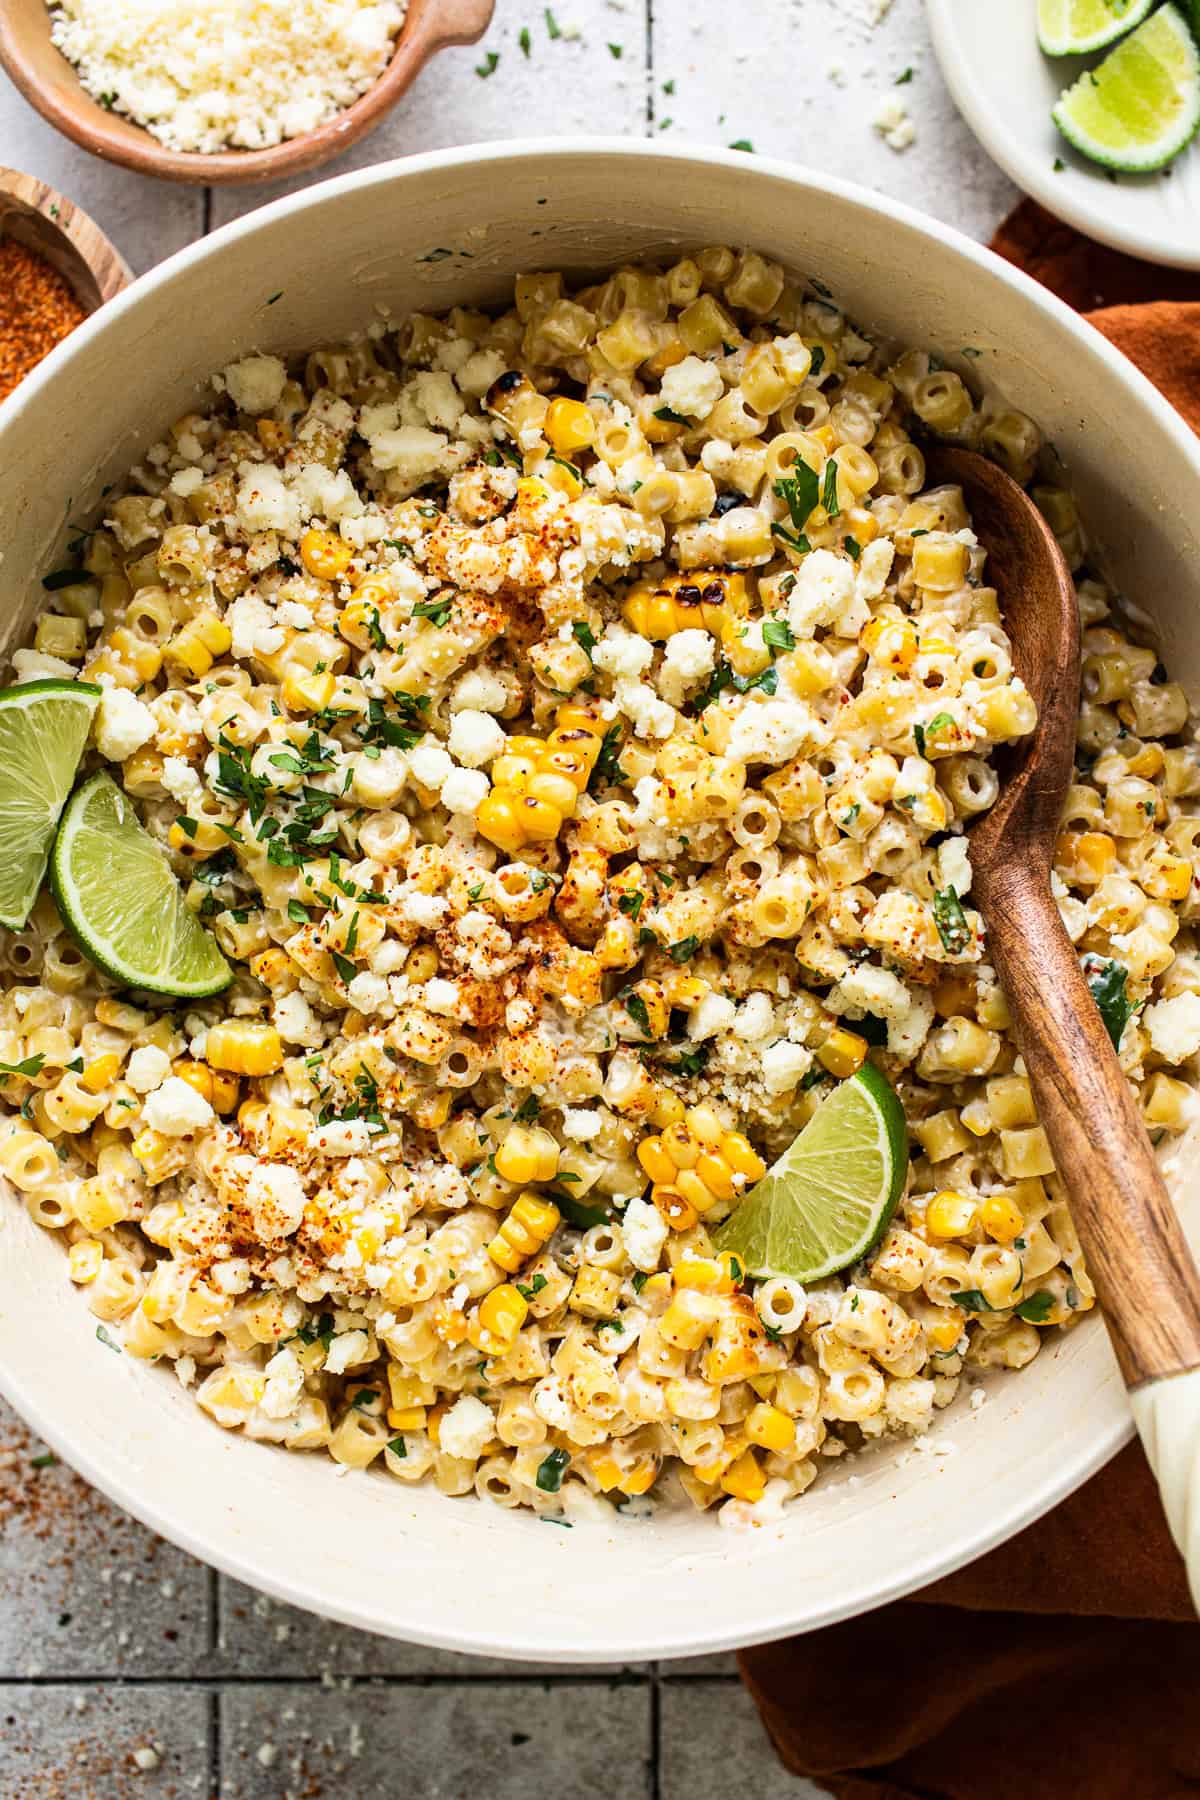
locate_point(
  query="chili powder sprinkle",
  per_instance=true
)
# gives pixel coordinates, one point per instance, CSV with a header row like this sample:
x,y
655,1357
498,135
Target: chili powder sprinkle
x,y
37,310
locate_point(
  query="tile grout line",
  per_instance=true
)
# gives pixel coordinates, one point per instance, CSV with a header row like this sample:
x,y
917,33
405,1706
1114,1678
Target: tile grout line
x,y
216,1726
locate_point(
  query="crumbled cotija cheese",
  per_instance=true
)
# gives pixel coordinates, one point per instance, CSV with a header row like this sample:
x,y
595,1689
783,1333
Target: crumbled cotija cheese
x,y
213,74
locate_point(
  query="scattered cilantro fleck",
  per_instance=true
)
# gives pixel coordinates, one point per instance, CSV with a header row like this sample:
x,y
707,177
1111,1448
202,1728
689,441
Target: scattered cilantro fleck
x,y
743,144
488,66
951,921
107,1339
668,413
524,40
778,634
47,1460
684,950
668,87
639,1281
635,1006
607,771
436,611
528,1289
853,547
584,636
1059,165
554,1466
904,79
829,494
971,1300
344,966
1109,984
616,51
631,905
1036,1309
801,490
528,1110
554,29
398,1447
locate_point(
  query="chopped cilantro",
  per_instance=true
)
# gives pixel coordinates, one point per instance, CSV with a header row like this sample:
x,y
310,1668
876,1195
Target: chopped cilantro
x,y
528,1110
778,634
554,1466
398,1447
31,1066
607,771
684,950
631,905
635,1006
951,921
1109,984
971,1300
528,1290
743,144
554,30
670,416
829,495
854,547
524,40
616,51
488,66
583,634
436,611
1036,1309
107,1339
801,490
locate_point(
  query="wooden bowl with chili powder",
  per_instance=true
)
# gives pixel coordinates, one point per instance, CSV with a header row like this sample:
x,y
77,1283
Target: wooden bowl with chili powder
x,y
56,267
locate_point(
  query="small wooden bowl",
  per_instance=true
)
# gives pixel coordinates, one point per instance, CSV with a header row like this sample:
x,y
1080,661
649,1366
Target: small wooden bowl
x,y
34,215
49,82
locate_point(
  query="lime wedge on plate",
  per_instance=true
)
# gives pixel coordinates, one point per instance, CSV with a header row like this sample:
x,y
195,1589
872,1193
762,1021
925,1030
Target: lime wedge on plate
x,y
43,728
1142,105
119,896
1072,27
831,1195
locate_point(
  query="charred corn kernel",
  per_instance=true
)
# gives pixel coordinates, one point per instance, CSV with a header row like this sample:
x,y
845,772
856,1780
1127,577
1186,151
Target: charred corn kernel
x,y
325,555
84,1261
494,1325
891,642
530,1224
569,426
842,1053
304,690
744,1479
244,1047
711,599
219,1089
678,1213
528,1153
99,1072
595,1293
700,1162
406,1418
1167,877
196,647
1000,1218
769,1428
951,1215
536,784
159,1156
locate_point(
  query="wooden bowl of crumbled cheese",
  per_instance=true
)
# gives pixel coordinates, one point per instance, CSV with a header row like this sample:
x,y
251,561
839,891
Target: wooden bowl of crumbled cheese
x,y
224,90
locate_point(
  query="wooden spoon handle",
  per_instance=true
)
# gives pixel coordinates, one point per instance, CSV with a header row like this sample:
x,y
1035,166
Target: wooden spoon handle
x,y
1137,1255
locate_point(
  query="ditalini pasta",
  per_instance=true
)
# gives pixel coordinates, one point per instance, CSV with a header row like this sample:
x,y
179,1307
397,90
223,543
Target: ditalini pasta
x,y
568,722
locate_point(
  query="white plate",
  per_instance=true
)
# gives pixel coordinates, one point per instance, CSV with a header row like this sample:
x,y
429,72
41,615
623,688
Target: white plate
x,y
455,228
1004,87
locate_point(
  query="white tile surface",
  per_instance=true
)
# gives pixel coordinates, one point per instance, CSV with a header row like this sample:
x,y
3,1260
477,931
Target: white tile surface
x,y
798,78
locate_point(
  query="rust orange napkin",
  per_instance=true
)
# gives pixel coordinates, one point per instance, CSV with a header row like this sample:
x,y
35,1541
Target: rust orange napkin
x,y
1067,1661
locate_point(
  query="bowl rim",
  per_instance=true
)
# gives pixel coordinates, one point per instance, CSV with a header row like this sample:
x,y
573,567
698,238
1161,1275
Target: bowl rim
x,y
109,1473
428,27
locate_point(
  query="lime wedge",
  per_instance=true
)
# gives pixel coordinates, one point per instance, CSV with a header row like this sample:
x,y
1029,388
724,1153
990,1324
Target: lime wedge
x,y
43,728
830,1196
1142,105
119,896
1072,27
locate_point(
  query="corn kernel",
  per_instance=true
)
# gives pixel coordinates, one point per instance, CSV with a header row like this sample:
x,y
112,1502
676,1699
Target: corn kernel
x,y
499,1317
769,1428
244,1047
325,555
530,1224
569,426
951,1215
842,1053
100,1072
744,1479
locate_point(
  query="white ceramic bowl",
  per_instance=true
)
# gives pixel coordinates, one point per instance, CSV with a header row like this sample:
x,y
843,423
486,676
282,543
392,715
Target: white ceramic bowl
x,y
364,1549
1004,87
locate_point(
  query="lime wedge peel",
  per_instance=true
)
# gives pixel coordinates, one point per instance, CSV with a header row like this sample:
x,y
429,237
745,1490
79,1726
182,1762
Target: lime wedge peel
x,y
1141,106
1075,27
119,897
830,1196
43,728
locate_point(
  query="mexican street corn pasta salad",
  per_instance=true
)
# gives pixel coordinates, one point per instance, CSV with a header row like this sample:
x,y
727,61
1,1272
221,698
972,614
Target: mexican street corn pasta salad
x,y
567,723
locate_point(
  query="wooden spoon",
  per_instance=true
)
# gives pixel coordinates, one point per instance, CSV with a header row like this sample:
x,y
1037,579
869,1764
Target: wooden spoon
x,y
1138,1257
